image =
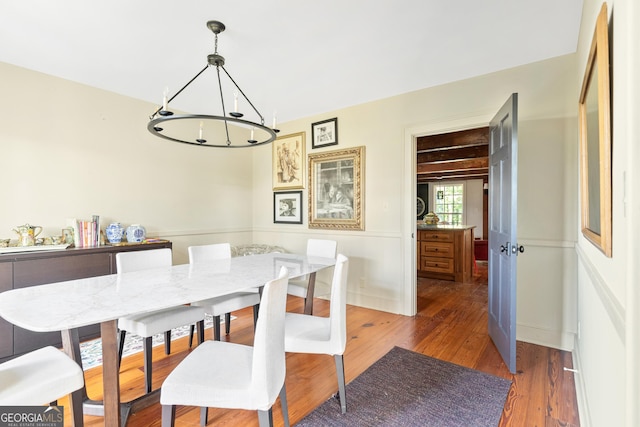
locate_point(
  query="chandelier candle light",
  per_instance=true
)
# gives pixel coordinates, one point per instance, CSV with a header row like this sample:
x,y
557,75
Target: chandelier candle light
x,y
206,130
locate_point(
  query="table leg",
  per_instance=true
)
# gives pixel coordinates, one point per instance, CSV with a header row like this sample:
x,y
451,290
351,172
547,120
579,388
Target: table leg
x,y
110,375
308,301
71,346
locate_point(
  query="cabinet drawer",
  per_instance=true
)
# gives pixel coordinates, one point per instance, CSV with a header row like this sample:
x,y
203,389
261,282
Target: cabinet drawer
x,y
437,249
436,236
437,265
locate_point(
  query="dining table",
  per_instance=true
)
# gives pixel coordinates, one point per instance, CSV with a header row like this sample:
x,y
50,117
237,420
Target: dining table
x,y
66,306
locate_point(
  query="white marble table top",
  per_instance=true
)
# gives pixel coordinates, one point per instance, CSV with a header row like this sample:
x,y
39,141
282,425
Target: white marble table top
x,y
75,303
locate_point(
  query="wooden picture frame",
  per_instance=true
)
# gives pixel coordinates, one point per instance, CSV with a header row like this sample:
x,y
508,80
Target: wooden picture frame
x,y
324,133
287,207
594,117
288,159
336,189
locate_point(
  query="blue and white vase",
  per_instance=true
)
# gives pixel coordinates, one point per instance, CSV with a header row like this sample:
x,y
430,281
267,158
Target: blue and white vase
x,y
136,233
115,231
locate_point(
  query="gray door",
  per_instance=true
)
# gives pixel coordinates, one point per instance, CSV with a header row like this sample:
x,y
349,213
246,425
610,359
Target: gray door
x,y
503,247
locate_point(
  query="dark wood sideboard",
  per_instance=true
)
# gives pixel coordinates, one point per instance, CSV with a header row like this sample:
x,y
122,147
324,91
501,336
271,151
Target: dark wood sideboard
x,y
24,269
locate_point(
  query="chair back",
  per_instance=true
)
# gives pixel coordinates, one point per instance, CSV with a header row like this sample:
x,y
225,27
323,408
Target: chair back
x,y
322,248
204,253
268,370
143,260
338,307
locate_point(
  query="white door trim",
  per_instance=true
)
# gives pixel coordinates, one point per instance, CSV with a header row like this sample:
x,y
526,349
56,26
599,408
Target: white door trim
x,y
444,125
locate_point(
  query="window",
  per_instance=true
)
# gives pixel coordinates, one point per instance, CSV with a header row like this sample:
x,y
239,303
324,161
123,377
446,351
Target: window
x,y
448,202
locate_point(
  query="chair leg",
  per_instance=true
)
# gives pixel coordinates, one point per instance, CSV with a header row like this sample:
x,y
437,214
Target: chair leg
x,y
123,334
191,331
167,342
256,310
76,407
168,415
341,387
227,323
148,353
265,418
216,328
284,406
200,332
204,414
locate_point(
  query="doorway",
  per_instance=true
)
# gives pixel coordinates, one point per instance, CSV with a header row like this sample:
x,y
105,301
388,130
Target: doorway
x,y
410,189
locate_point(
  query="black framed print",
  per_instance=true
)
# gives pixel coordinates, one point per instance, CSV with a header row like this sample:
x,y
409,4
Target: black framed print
x,y
324,133
287,207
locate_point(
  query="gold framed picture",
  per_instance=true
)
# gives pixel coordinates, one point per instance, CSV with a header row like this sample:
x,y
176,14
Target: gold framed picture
x,y
288,161
336,189
594,119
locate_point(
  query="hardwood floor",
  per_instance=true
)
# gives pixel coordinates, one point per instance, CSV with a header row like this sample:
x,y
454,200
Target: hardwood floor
x,y
451,325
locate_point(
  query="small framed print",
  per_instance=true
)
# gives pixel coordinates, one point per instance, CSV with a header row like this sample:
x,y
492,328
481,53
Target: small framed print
x,y
287,207
288,161
324,133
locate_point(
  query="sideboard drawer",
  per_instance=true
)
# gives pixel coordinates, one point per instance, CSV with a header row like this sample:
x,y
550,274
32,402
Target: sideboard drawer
x,y
437,249
436,236
437,265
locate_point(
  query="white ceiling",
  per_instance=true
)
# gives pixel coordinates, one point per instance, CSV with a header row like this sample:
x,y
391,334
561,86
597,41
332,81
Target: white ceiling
x,y
296,57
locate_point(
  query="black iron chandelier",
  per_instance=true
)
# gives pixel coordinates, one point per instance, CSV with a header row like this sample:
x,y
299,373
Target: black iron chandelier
x,y
226,130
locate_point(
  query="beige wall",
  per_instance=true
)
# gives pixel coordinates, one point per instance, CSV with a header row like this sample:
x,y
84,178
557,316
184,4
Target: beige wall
x,y
70,150
607,345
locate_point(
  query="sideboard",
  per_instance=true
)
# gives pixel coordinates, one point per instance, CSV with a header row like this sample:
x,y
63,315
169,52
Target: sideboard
x,y
24,269
445,252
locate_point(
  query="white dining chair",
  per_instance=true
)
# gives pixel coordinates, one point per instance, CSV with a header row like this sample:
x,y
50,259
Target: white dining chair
x,y
300,285
223,305
146,325
324,335
228,375
41,377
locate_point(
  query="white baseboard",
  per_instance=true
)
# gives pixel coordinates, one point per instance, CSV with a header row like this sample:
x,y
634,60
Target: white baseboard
x,y
375,302
581,392
554,339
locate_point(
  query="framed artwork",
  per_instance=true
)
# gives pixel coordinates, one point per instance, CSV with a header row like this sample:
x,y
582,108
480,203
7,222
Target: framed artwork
x,y
594,120
287,207
288,161
336,189
324,133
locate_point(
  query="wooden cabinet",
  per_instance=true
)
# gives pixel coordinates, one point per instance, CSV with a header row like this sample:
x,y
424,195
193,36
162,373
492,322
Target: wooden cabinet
x,y
445,252
20,270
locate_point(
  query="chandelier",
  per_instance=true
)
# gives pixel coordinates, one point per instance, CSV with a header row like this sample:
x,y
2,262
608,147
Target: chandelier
x,y
206,130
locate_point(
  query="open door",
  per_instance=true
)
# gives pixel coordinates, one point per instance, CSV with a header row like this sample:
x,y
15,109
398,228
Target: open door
x,y
503,246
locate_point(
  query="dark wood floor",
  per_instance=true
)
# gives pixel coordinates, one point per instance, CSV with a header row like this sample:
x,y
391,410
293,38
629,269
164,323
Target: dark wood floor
x,y
451,325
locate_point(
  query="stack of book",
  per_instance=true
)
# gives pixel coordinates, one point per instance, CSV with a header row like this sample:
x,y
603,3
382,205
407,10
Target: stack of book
x,y
86,233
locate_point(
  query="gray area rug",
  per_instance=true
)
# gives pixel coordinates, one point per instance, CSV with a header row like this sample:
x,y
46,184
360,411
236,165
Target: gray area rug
x,y
405,388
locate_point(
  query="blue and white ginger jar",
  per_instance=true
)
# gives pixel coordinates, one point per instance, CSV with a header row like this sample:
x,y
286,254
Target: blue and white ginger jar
x,y
115,231
136,233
